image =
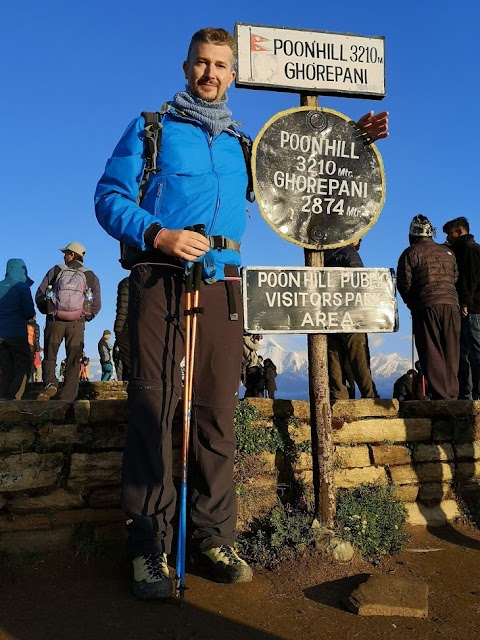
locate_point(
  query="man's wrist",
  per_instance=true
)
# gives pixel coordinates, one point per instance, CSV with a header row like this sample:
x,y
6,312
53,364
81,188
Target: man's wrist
x,y
157,236
151,234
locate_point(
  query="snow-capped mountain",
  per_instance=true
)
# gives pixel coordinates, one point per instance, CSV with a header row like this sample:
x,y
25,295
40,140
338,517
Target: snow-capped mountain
x,y
292,369
386,368
291,361
389,365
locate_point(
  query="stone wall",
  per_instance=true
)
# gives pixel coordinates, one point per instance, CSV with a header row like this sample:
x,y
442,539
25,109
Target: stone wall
x,y
60,462
430,451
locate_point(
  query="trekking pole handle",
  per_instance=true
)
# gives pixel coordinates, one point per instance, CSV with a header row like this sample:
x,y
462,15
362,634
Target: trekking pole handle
x,y
198,266
189,275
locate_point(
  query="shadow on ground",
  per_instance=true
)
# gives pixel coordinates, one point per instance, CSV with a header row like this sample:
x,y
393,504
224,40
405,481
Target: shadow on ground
x,y
45,597
336,593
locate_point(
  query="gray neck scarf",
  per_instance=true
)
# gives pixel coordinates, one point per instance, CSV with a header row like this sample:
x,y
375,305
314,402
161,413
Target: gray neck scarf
x,y
214,115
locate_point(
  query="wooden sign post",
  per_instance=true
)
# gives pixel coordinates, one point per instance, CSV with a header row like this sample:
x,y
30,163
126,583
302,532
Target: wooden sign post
x,y
317,181
319,394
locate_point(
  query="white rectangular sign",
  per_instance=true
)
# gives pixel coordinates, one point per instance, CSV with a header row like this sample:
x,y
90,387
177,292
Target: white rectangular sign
x,y
314,300
321,62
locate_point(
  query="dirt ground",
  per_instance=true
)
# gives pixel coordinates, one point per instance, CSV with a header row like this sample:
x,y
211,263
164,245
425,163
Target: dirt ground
x,y
58,597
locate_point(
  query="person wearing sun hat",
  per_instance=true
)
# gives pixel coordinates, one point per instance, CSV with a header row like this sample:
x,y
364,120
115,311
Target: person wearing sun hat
x,y
66,326
426,277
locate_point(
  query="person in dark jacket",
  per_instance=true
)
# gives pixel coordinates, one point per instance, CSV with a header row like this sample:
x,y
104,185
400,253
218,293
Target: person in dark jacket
x,y
270,373
403,386
72,331
33,331
105,353
467,254
120,329
426,277
348,347
16,308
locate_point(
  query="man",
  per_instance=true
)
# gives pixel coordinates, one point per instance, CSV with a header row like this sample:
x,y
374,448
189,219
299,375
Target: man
x,y
120,328
467,254
61,296
426,277
117,362
250,369
202,179
270,373
403,386
16,307
105,353
351,348
33,333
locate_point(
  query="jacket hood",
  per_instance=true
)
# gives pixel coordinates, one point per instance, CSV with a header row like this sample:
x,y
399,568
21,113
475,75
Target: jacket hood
x,y
17,271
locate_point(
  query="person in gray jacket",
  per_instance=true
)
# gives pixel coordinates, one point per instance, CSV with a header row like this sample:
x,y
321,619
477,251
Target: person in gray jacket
x,y
105,353
426,277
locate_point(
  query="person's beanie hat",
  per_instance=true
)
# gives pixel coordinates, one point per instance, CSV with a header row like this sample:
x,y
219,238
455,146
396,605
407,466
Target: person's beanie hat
x,y
421,227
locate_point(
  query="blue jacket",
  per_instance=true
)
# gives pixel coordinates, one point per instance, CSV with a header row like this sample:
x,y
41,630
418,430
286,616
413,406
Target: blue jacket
x,y
16,303
202,180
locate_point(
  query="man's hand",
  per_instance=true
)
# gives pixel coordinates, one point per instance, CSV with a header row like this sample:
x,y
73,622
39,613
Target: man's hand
x,y
374,126
464,311
187,245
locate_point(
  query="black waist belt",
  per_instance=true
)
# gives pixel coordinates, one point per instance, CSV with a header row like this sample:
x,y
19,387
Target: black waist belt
x,y
220,242
231,271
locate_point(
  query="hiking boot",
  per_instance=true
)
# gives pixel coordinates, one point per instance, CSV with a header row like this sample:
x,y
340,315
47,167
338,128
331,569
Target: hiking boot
x,y
48,392
223,564
151,577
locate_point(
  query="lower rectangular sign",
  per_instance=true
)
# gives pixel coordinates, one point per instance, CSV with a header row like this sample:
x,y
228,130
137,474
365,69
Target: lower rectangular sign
x,y
319,300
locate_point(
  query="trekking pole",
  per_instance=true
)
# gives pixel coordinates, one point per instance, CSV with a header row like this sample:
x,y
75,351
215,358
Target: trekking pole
x,y
192,296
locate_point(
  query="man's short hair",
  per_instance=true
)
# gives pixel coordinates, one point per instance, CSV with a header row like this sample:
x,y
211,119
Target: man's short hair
x,y
458,223
213,35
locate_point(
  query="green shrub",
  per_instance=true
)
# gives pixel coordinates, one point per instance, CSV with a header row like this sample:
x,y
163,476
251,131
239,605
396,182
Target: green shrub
x,y
282,535
253,439
372,519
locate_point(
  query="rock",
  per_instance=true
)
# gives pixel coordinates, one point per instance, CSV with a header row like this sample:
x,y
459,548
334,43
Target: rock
x,y
387,595
327,543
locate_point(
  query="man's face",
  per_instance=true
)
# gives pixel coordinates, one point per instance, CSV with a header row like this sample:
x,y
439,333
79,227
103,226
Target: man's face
x,y
209,71
454,234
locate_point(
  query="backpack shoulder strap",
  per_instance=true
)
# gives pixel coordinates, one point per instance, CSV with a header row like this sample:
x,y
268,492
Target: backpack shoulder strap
x,y
246,145
152,142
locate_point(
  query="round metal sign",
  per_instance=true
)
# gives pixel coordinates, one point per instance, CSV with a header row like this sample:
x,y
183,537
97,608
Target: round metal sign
x,y
318,181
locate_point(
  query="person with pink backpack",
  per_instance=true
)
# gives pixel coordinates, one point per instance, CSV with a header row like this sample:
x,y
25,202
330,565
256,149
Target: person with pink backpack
x,y
69,295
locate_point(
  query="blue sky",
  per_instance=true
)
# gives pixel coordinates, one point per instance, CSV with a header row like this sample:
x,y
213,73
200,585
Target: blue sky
x,y
75,74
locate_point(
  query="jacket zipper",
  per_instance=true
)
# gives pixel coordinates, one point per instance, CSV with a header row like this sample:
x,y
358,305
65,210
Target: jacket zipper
x,y
217,205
